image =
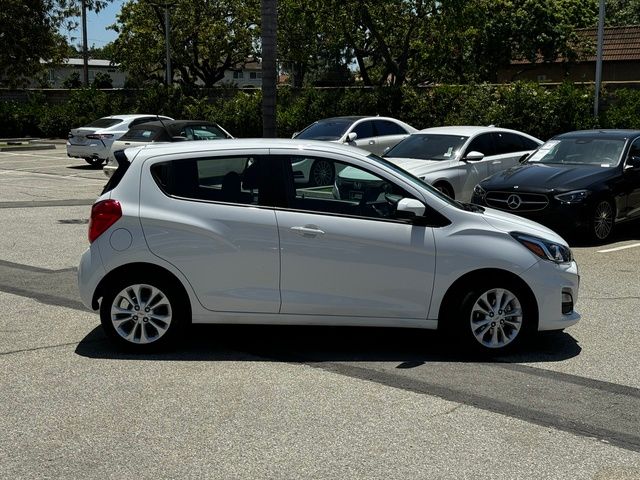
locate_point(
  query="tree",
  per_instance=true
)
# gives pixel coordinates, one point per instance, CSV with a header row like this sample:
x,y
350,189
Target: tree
x,y
622,12
29,33
207,38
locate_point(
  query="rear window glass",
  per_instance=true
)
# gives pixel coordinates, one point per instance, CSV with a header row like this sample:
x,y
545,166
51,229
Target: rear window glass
x,y
140,135
105,122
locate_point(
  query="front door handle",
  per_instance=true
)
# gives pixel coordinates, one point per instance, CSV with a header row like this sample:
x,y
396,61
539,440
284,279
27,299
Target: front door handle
x,y
308,231
372,142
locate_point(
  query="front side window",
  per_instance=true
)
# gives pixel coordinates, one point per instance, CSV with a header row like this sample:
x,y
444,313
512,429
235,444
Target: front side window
x,y
354,191
364,130
483,144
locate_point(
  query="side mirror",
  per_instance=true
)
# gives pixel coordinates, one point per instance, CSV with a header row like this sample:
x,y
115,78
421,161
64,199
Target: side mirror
x,y
351,137
524,157
410,208
633,163
473,156
295,134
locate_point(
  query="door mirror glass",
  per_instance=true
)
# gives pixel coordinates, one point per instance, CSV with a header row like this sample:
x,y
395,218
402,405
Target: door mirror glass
x,y
409,208
351,137
473,156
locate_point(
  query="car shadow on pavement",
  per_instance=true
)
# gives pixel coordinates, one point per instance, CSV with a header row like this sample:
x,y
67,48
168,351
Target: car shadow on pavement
x,y
305,344
85,167
623,232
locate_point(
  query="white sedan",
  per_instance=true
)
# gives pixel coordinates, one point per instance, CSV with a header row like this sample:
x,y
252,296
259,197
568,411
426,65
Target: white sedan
x,y
93,142
456,159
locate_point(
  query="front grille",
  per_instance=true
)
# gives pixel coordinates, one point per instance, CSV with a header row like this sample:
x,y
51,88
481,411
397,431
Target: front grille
x,y
517,201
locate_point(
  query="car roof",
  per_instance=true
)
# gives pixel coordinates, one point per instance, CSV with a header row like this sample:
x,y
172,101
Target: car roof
x,y
131,116
466,130
248,143
603,133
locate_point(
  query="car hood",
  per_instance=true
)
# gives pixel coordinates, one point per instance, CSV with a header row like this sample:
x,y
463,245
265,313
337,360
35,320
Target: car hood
x,y
420,167
507,222
540,177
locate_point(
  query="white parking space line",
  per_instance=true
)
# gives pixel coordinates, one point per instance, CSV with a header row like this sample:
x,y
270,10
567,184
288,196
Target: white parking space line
x,y
619,248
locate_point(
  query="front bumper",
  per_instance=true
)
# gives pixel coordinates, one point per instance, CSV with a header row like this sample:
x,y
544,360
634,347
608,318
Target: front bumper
x,y
549,281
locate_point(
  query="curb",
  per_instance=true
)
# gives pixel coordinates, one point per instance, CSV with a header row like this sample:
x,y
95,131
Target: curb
x,y
45,146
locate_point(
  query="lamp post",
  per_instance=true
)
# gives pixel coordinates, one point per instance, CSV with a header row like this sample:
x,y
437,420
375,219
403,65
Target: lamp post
x,y
596,101
269,70
85,52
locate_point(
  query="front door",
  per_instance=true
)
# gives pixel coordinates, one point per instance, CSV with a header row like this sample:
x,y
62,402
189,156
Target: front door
x,y
343,252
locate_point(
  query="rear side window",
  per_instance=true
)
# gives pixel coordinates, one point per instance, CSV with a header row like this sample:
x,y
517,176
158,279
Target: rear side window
x,y
385,127
202,132
105,122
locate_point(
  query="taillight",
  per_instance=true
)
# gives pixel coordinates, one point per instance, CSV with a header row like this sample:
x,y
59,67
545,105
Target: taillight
x,y
100,136
103,215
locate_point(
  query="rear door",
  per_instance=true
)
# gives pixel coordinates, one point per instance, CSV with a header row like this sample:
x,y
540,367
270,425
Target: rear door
x,y
202,214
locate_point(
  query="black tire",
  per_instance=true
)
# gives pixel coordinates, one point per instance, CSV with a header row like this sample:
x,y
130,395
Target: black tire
x,y
501,324
446,189
322,173
602,221
155,312
94,162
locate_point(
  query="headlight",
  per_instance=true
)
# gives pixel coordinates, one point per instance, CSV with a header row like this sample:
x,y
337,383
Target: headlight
x,y
573,197
479,191
544,249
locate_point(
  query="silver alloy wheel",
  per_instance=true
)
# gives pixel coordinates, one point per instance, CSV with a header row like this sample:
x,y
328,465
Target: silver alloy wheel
x,y
603,220
141,313
496,318
322,173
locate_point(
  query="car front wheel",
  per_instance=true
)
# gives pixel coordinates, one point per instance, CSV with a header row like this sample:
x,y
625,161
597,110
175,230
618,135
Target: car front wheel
x,y
144,314
602,221
495,319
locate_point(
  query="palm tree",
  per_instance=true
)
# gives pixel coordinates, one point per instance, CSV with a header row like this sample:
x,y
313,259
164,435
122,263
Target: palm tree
x,y
269,70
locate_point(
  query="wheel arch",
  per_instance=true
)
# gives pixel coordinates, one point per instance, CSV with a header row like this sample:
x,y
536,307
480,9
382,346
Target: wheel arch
x,y
153,270
451,297
447,183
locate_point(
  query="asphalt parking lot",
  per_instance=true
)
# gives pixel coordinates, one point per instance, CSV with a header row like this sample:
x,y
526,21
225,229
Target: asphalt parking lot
x,y
294,402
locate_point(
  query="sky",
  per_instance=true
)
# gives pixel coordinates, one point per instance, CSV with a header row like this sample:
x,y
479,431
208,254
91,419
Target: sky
x,y
97,34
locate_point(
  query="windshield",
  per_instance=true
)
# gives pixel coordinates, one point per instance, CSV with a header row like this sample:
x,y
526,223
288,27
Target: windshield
x,y
420,184
325,130
597,152
428,147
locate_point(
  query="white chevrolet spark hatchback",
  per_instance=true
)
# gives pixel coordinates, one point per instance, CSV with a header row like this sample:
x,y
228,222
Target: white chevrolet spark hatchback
x,y
220,232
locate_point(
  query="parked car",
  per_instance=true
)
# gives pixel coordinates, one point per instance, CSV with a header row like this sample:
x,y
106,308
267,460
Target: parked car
x,y
374,134
164,131
93,142
184,237
455,159
577,183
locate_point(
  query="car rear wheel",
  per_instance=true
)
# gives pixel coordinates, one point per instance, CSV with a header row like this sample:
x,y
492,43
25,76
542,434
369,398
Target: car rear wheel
x,y
602,220
94,162
495,319
322,173
144,314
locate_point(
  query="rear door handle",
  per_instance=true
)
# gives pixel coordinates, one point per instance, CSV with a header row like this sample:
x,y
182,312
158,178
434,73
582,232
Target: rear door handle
x,y
308,231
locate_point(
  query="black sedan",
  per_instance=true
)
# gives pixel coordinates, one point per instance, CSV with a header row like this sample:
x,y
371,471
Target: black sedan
x,y
585,181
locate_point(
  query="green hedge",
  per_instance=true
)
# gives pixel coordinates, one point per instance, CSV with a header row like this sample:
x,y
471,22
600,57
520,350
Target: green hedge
x,y
539,110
